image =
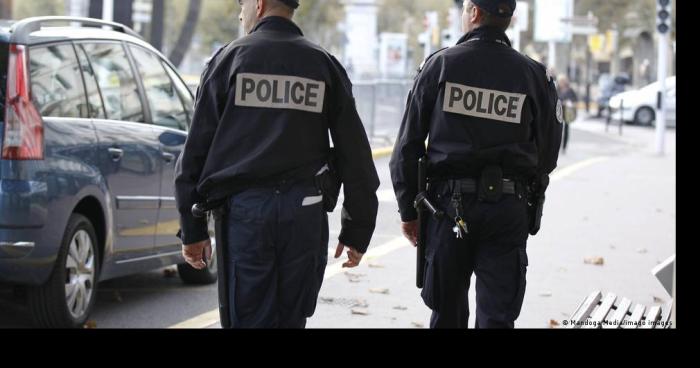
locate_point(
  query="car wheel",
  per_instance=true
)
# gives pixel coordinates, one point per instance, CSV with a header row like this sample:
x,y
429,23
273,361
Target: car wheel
x,y
192,276
644,116
67,298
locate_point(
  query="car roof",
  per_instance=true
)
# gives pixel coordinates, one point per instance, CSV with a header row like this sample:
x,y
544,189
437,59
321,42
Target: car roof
x,y
36,30
37,33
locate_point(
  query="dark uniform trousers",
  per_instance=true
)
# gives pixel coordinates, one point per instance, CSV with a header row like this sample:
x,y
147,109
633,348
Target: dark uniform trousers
x,y
494,250
278,251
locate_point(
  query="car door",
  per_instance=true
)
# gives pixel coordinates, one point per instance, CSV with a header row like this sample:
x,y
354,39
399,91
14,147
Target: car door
x,y
129,152
170,105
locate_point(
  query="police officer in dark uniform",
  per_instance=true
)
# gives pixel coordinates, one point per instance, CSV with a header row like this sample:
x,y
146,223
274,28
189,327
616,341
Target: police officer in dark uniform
x,y
259,141
493,128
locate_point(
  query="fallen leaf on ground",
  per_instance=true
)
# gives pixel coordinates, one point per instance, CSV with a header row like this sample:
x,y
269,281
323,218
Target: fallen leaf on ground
x,y
417,324
360,311
553,323
598,261
169,273
379,291
354,277
90,324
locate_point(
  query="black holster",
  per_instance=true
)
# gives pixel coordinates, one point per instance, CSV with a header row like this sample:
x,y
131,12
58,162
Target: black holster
x,y
535,202
329,183
424,208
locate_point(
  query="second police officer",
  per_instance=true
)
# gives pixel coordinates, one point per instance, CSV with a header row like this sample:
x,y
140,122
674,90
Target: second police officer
x,y
259,141
493,124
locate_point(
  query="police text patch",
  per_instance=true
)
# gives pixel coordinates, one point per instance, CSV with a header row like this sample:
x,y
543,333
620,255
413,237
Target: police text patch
x,y
279,92
483,103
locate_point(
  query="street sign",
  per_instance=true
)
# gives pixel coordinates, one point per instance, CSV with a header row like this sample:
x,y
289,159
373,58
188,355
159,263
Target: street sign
x,y
548,15
579,25
596,42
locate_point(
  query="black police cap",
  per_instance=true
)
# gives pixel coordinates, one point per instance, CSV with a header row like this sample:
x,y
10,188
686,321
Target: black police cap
x,y
499,8
291,3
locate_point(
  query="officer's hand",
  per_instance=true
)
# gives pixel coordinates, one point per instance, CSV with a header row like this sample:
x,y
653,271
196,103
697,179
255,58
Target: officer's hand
x,y
197,255
410,231
354,256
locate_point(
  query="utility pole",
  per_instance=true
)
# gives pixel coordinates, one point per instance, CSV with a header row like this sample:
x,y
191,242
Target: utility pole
x,y
663,17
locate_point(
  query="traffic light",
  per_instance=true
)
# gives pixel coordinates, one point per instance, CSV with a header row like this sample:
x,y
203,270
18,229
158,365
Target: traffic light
x,y
663,16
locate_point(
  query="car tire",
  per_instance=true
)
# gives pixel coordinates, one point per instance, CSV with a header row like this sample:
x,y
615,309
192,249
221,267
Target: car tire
x,y
644,116
67,298
192,276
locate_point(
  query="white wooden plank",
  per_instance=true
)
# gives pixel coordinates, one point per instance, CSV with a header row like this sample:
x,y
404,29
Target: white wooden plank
x,y
619,315
666,315
584,311
652,317
603,309
636,318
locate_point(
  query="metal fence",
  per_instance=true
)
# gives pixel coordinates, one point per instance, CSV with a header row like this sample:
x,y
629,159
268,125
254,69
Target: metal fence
x,y
381,105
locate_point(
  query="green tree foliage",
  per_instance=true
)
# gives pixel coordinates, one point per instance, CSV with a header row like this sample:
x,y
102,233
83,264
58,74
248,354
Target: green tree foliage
x,y
408,17
33,8
625,14
319,20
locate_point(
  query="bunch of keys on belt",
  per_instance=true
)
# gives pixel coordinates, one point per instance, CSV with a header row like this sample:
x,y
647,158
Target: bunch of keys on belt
x,y
460,228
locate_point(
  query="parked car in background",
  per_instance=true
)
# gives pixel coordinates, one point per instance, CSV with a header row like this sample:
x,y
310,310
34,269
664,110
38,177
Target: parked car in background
x,y
640,106
92,121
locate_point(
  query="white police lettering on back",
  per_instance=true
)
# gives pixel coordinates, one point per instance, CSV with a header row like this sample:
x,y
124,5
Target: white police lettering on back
x,y
279,92
483,103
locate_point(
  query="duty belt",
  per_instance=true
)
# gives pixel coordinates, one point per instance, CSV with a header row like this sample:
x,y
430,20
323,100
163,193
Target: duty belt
x,y
469,185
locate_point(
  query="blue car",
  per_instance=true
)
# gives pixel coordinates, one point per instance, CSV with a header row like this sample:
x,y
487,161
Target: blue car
x,y
92,122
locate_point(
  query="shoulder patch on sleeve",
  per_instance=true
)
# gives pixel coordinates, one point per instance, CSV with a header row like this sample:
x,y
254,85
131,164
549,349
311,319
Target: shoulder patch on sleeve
x,y
560,112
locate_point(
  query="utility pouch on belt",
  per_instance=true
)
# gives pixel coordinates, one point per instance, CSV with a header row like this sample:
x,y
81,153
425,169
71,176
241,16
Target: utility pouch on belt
x,y
490,188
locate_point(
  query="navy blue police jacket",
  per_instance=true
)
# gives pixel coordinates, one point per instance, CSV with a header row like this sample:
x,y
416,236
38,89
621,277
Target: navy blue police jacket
x,y
263,112
477,103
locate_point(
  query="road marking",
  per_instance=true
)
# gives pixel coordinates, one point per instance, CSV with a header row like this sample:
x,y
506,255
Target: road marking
x,y
212,317
569,170
381,152
372,254
201,321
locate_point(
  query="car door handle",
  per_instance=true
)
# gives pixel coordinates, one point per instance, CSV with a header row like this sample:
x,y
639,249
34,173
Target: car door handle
x,y
168,157
116,154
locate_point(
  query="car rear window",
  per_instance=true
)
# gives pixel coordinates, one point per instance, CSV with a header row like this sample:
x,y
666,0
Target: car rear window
x,y
57,87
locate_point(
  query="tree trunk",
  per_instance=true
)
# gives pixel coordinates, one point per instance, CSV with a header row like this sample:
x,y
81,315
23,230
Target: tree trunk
x,y
5,9
157,19
187,33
